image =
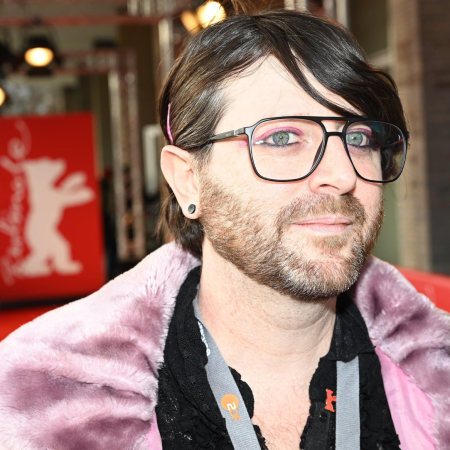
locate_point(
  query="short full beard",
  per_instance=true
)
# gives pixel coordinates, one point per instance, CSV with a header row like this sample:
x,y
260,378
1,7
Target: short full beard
x,y
241,233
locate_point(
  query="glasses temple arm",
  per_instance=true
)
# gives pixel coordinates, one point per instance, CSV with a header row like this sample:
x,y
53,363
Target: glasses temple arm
x,y
227,134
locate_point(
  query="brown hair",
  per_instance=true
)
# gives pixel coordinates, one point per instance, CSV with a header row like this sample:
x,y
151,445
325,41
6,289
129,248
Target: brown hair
x,y
298,40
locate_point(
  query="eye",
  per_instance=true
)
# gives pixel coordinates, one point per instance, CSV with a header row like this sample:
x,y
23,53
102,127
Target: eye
x,y
279,138
357,139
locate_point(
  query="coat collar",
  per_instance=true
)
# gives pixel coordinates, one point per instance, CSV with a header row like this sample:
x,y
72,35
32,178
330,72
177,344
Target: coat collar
x,y
85,375
408,328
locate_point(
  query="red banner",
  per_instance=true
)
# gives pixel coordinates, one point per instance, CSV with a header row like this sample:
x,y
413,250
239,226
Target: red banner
x,y
51,239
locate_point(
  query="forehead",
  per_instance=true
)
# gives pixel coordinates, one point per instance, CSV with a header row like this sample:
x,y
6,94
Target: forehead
x,y
267,89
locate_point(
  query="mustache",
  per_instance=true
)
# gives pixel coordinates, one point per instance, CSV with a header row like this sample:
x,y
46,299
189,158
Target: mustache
x,y
317,205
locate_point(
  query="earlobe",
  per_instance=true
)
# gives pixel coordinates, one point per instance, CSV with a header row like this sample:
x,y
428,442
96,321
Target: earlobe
x,y
178,170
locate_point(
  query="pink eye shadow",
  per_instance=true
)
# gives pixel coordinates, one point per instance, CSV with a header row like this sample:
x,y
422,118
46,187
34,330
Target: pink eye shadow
x,y
275,130
367,131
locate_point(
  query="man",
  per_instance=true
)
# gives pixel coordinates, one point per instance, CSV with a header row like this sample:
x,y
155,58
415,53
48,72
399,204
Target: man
x,y
282,137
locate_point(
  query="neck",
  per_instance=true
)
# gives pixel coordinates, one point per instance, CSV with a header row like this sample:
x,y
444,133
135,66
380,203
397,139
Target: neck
x,y
261,333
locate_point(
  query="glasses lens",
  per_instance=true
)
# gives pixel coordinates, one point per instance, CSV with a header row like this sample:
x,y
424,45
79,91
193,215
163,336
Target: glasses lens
x,y
377,149
286,149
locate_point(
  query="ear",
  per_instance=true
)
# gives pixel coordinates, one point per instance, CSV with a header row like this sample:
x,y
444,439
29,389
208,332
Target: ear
x,y
178,170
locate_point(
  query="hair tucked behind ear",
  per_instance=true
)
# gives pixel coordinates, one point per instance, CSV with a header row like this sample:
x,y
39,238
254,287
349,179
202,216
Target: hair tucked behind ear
x,y
299,41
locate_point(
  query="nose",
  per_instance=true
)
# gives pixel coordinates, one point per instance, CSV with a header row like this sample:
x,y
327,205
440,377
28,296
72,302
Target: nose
x,y
335,173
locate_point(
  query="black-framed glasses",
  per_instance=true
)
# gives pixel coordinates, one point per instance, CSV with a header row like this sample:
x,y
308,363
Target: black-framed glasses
x,y
290,148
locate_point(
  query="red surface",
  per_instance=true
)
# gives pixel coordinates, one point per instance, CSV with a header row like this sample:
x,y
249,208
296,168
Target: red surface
x,y
14,318
435,287
40,144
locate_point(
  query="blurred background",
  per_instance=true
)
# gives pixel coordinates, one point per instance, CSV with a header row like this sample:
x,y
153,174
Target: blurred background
x,y
80,183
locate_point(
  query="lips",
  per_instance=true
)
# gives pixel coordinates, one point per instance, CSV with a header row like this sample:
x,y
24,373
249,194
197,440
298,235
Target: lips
x,y
327,220
327,224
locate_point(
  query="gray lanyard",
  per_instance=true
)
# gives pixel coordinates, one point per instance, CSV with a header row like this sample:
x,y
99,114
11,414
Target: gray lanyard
x,y
237,419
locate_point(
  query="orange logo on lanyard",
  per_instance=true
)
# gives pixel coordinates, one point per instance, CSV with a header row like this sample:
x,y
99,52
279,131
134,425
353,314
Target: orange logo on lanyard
x,y
330,398
230,402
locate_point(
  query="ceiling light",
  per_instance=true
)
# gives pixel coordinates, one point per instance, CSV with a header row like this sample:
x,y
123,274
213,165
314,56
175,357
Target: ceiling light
x,y
190,21
205,15
2,96
39,51
39,56
210,13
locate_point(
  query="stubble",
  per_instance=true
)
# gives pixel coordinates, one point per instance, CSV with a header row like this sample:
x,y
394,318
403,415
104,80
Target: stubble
x,y
259,245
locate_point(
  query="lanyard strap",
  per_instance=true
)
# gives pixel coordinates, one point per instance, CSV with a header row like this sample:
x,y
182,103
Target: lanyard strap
x,y
226,393
348,424
234,411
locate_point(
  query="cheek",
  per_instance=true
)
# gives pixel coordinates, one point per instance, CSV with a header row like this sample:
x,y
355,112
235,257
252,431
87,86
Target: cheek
x,y
230,167
230,164
370,196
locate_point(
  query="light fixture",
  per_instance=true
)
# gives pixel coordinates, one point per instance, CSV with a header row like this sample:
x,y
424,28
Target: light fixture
x,y
207,14
39,51
2,96
210,13
190,21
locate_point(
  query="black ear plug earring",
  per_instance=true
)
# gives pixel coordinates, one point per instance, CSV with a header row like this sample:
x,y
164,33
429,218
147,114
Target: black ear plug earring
x,y
191,208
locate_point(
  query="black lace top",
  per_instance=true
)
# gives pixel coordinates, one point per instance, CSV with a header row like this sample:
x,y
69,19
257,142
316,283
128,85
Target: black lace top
x,y
189,417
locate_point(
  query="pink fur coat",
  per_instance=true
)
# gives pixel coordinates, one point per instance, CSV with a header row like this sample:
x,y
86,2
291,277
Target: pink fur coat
x,y
84,376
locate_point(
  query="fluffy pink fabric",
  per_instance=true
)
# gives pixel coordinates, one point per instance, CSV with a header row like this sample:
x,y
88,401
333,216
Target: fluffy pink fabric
x,y
85,375
153,439
412,411
415,335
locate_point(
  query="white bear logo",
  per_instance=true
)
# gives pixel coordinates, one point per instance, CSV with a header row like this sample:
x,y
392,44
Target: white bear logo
x,y
49,250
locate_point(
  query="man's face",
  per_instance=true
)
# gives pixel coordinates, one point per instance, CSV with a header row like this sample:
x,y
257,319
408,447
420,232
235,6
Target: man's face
x,y
307,239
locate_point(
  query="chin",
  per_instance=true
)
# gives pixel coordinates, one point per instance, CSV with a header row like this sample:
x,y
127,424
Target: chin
x,y
323,249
